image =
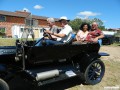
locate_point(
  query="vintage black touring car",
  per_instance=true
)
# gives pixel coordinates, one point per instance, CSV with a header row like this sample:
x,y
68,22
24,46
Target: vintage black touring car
x,y
41,65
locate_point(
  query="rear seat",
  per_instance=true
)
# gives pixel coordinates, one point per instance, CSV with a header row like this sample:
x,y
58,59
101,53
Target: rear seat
x,y
71,39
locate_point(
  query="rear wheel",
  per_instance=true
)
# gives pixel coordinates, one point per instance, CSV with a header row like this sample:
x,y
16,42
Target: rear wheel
x,y
3,85
94,72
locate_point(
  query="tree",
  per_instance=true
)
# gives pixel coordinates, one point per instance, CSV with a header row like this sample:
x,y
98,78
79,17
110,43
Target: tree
x,y
99,22
76,23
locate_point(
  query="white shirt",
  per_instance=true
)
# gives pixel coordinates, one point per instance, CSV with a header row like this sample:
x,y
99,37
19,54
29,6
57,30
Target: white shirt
x,y
82,35
67,30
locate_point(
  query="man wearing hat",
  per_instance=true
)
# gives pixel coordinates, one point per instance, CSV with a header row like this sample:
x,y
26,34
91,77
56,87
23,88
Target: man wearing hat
x,y
61,37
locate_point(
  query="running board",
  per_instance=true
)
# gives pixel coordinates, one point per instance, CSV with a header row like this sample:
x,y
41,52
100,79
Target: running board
x,y
103,54
49,76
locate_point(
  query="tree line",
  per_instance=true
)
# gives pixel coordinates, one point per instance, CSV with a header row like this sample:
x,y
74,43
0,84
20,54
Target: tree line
x,y
76,23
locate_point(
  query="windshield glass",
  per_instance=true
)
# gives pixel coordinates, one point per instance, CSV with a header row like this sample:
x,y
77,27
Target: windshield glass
x,y
28,30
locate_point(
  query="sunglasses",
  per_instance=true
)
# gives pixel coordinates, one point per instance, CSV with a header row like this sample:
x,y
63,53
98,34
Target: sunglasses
x,y
94,25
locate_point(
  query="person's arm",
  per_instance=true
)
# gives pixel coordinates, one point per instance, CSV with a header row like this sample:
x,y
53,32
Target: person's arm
x,y
78,35
59,35
101,36
55,34
98,37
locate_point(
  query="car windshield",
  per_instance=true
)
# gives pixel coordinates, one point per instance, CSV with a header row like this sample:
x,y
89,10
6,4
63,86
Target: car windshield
x,y
28,30
26,33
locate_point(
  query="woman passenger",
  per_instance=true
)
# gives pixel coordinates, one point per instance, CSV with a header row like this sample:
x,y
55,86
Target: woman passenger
x,y
83,32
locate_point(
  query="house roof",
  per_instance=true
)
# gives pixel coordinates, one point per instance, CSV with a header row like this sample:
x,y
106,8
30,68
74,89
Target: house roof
x,y
14,13
23,14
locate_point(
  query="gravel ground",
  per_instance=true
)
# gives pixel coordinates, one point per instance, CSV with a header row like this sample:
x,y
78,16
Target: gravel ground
x,y
114,52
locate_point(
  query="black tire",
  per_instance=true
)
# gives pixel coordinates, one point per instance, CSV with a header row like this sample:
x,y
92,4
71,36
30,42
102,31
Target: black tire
x,y
3,85
94,72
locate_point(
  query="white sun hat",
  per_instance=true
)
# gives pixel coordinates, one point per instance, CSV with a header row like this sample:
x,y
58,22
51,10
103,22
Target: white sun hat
x,y
64,18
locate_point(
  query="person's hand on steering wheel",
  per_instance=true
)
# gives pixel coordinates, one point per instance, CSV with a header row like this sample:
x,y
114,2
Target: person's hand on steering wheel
x,y
48,31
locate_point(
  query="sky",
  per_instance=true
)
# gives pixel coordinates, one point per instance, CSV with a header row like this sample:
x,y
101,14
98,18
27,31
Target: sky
x,y
106,10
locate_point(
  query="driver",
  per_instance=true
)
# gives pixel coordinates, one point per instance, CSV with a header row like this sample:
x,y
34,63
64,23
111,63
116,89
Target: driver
x,y
51,24
52,27
61,37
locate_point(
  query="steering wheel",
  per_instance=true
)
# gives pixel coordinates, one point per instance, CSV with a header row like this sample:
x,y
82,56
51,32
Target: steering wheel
x,y
47,35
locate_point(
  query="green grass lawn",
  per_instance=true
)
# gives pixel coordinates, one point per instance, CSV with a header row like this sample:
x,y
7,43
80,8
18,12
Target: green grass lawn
x,y
116,44
7,42
11,42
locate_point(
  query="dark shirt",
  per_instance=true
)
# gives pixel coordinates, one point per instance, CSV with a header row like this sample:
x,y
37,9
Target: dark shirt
x,y
54,29
93,34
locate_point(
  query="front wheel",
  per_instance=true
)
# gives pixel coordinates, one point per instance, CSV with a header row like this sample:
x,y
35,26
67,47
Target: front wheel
x,y
3,85
94,72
